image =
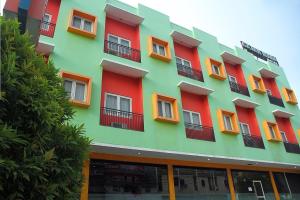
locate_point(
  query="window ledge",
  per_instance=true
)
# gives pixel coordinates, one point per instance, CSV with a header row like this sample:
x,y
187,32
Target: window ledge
x,y
164,119
160,57
82,32
231,132
79,103
219,77
260,91
274,140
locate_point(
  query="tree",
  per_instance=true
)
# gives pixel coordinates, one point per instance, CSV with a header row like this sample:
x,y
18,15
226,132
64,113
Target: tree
x,y
41,153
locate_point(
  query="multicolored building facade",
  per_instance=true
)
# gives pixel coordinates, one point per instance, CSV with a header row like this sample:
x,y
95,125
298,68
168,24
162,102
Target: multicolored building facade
x,y
172,113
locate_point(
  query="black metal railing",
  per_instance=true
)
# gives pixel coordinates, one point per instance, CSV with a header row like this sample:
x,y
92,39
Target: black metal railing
x,y
195,131
238,88
275,100
253,141
121,119
47,29
189,72
292,148
122,51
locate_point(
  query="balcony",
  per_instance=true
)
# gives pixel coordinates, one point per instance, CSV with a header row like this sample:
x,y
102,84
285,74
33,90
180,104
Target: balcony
x,y
276,101
189,72
47,29
292,148
121,119
235,87
253,141
122,51
195,131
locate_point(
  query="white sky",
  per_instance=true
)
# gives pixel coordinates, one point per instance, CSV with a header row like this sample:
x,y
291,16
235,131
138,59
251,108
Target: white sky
x,y
272,26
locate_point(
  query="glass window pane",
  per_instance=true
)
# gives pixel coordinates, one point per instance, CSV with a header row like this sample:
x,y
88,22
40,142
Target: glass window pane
x,y
257,85
186,63
160,109
68,87
227,121
76,22
196,118
178,61
187,118
125,43
154,47
87,26
111,102
79,92
168,111
124,104
215,69
113,39
272,131
283,136
161,50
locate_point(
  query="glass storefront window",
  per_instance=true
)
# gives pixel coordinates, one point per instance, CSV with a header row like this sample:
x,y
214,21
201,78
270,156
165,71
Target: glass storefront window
x,y
110,180
288,185
200,183
252,185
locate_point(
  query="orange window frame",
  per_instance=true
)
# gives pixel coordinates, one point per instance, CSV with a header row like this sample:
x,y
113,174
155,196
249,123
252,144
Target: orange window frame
x,y
173,101
151,41
269,137
235,126
85,79
209,62
83,15
287,93
261,89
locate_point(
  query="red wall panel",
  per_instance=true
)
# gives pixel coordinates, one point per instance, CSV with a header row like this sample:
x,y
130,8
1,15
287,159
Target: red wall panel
x,y
124,86
248,116
190,54
237,72
122,30
284,125
270,83
197,103
53,9
12,5
36,9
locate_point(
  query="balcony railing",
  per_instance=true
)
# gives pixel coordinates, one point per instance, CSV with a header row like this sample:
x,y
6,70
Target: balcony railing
x,y
275,100
195,131
121,119
47,29
292,148
122,51
189,72
235,87
253,141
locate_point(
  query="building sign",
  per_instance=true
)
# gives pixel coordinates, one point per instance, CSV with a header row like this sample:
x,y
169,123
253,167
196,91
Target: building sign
x,y
259,54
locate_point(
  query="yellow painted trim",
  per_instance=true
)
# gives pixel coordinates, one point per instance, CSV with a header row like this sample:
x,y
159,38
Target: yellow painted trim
x,y
261,89
85,16
289,92
276,193
209,62
85,183
152,54
171,182
162,161
173,101
276,130
231,185
220,114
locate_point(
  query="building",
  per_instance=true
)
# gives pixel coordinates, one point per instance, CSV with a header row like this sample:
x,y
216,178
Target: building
x,y
173,114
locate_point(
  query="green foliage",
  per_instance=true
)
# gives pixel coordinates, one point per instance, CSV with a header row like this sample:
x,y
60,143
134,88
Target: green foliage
x,y
41,154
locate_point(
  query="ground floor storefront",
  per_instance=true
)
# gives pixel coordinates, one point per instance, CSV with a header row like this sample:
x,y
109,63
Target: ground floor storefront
x,y
119,177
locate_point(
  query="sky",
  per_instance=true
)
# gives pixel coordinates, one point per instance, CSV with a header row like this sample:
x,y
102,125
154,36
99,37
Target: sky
x,y
273,26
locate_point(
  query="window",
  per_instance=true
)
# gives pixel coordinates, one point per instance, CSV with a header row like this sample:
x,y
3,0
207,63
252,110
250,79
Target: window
x,y
215,69
46,22
184,65
257,84
289,96
245,129
283,136
118,105
192,119
232,79
228,122
165,108
272,131
119,44
159,49
269,92
83,24
78,88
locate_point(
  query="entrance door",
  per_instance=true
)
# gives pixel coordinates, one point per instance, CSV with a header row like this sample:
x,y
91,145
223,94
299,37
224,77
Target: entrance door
x,y
259,191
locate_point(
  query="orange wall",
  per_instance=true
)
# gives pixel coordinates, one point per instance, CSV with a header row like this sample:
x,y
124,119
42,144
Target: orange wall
x,y
53,9
197,103
270,83
124,31
190,54
248,116
284,125
115,84
237,72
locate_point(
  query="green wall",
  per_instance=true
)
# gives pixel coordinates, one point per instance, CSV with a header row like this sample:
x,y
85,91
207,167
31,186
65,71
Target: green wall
x,y
81,55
